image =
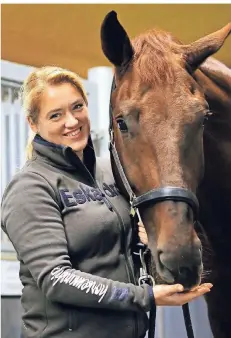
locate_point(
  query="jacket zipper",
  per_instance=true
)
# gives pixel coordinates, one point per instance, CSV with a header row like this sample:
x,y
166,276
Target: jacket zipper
x,y
127,263
70,321
113,208
130,272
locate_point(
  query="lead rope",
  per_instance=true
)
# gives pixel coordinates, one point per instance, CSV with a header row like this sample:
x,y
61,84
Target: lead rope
x,y
145,278
187,321
152,323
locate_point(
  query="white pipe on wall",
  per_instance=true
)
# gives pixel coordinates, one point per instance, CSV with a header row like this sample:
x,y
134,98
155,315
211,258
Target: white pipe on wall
x,y
102,76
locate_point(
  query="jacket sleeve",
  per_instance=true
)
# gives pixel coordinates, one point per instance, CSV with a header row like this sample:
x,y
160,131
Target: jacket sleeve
x,y
32,219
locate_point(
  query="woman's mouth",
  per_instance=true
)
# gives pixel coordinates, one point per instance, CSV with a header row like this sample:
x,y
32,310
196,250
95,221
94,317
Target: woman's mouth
x,y
74,133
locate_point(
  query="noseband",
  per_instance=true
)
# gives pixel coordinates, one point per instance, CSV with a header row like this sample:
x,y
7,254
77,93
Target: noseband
x,y
154,196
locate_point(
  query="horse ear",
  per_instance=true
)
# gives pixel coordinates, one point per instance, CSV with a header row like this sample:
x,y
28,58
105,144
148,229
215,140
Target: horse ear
x,y
115,41
198,51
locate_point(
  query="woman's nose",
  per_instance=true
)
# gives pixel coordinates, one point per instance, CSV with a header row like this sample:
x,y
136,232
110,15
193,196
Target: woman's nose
x,y
71,121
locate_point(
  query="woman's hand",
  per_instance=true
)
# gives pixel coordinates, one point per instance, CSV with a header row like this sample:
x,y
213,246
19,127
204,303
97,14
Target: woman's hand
x,y
171,295
142,233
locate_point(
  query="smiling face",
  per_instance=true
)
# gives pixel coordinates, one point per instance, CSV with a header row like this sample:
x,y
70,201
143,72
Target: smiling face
x,y
63,117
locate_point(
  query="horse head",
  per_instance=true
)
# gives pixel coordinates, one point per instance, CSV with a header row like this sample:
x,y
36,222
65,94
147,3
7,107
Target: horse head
x,y
159,112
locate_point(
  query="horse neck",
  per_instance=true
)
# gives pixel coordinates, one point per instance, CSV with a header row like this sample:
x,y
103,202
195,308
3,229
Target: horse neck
x,y
218,73
214,192
215,79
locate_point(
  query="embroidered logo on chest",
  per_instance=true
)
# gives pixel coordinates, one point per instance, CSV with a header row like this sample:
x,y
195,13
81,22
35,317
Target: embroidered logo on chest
x,y
86,194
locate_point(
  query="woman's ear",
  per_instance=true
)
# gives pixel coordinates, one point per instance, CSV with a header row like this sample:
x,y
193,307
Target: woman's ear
x,y
32,125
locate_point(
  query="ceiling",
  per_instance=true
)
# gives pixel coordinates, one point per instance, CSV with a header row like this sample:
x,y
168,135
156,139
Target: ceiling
x,y
68,35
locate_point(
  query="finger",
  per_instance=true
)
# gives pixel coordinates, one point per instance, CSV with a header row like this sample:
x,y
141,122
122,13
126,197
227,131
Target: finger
x,y
143,239
172,289
141,225
182,298
143,233
142,236
142,230
179,298
167,290
206,285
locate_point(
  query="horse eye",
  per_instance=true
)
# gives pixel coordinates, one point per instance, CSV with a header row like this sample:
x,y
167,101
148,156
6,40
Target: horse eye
x,y
122,125
206,116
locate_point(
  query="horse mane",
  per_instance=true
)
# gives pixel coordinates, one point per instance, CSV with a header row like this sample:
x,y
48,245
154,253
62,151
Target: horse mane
x,y
218,72
153,56
215,78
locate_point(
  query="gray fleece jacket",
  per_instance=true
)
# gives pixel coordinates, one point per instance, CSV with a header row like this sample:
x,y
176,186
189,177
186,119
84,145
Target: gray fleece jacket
x,y
71,230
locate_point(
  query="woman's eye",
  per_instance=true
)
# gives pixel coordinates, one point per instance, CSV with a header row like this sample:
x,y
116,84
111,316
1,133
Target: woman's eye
x,y
55,116
78,106
122,125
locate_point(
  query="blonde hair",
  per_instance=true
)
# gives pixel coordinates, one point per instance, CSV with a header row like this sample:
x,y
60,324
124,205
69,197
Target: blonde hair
x,y
33,88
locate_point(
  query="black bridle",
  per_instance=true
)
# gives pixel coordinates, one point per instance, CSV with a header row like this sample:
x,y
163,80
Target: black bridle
x,y
153,196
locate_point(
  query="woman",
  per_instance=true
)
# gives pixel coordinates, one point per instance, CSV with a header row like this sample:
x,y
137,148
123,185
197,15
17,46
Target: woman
x,y
71,227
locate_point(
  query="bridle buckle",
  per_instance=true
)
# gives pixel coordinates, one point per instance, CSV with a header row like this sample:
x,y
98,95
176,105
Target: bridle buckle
x,y
147,279
144,276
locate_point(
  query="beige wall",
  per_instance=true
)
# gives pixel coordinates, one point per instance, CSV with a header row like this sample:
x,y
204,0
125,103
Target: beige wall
x,y
68,35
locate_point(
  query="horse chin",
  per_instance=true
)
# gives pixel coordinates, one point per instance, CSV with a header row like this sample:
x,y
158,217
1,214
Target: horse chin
x,y
189,281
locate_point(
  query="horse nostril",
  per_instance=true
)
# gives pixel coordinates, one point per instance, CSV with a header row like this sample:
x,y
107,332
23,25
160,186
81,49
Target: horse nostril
x,y
160,255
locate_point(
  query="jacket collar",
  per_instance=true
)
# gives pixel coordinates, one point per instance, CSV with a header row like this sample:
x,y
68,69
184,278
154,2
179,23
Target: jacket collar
x,y
64,157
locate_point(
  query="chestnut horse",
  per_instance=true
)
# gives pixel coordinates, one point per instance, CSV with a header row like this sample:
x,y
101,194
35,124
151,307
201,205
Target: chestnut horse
x,y
172,127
